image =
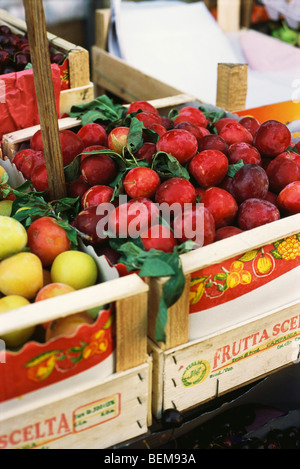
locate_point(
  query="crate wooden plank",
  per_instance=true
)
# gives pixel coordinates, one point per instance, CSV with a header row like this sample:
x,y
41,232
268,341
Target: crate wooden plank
x,y
94,415
128,83
199,371
11,142
75,96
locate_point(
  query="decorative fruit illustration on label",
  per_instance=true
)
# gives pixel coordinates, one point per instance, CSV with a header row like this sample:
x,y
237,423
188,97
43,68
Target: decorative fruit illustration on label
x,y
263,264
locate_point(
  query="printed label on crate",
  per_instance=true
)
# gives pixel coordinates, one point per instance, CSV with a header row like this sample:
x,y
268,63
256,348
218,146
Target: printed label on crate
x,y
253,349
252,283
97,412
38,365
39,434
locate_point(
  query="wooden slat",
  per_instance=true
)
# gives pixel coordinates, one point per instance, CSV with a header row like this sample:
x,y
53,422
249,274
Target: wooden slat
x,y
131,331
40,57
178,315
228,15
232,86
102,19
12,141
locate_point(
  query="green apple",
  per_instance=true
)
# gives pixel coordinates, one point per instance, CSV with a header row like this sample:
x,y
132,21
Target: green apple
x,y
13,236
74,268
19,336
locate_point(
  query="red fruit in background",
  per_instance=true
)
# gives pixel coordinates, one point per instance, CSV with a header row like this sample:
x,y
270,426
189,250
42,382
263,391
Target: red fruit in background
x,y
250,123
167,123
226,184
141,105
39,178
148,118
271,197
98,169
290,155
133,217
245,152
159,237
213,142
158,128
91,149
191,114
221,205
47,239
4,57
256,212
271,138
250,181
96,195
198,132
77,188
288,199
71,144
23,156
234,132
179,143
92,224
200,191
117,139
222,122
196,224
176,191
93,134
281,171
146,151
141,182
227,232
209,167
31,161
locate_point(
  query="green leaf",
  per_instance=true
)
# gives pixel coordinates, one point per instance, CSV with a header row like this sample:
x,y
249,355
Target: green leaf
x,y
101,108
233,168
167,166
135,135
155,263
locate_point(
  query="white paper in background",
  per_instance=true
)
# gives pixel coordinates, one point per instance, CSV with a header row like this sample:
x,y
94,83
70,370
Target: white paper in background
x,y
173,41
181,44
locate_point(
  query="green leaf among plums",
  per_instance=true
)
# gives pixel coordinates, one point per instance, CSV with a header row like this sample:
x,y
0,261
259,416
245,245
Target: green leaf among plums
x,y
102,108
167,166
155,263
233,168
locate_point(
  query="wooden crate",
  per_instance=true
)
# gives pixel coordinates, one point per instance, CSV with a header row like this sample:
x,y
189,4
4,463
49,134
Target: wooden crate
x,y
92,412
178,343
81,88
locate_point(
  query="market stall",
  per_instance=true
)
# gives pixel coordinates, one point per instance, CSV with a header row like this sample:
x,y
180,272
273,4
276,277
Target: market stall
x,y
149,261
